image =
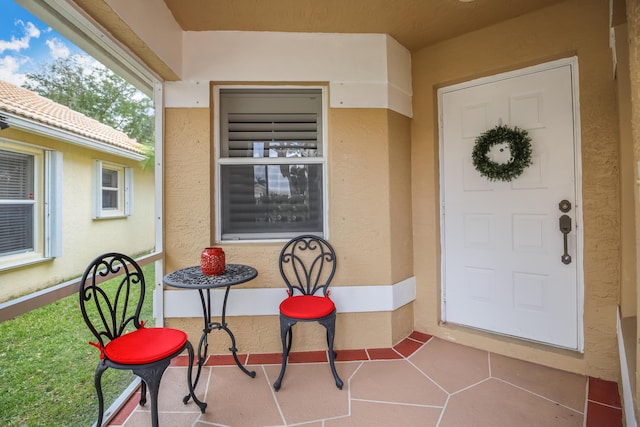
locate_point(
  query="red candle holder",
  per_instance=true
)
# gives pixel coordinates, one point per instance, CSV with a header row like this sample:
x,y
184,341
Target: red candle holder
x,y
212,261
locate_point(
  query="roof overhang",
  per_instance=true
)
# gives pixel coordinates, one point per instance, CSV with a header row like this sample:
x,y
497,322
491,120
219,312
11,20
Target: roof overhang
x,y
35,127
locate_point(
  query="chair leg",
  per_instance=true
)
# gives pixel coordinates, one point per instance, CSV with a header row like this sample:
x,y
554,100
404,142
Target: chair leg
x,y
289,340
329,345
286,334
98,384
192,393
152,377
143,393
330,324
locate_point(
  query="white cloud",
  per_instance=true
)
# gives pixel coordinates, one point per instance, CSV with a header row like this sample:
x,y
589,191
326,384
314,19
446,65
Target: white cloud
x,y
9,66
88,63
58,48
30,30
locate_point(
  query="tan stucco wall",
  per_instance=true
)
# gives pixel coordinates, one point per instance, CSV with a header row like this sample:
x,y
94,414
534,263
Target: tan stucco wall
x,y
83,237
369,223
575,27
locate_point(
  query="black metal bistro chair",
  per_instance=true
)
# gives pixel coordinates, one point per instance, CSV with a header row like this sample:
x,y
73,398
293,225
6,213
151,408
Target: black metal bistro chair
x,y
307,265
124,341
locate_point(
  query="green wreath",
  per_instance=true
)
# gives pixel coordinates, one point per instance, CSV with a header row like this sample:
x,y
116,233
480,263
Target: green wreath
x,y
519,145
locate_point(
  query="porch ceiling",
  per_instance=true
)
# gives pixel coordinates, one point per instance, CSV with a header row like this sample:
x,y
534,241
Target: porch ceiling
x,y
414,23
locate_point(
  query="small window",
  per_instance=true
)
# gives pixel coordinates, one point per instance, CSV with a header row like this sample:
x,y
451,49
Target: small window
x,y
271,164
113,190
30,208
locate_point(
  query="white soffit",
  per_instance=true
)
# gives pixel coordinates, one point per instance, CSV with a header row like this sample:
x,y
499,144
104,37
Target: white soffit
x,y
153,22
356,66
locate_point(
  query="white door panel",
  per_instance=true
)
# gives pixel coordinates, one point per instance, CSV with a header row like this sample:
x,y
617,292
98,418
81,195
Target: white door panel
x,y
502,246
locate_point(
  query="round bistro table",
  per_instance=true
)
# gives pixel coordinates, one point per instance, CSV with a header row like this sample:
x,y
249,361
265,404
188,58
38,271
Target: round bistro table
x,y
194,278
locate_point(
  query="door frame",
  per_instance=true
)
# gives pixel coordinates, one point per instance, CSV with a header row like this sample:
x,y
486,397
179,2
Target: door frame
x,y
572,62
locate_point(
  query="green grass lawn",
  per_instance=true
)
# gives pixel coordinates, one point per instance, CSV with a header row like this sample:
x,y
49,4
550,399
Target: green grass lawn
x,y
47,366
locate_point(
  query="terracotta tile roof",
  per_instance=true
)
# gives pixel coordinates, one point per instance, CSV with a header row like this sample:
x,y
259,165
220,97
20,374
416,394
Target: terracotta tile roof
x,y
27,104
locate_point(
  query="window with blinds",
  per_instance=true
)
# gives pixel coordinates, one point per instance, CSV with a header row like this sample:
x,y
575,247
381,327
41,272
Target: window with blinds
x,y
271,163
30,203
17,202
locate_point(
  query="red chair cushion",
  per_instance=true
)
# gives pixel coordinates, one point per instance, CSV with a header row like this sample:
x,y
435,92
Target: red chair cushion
x,y
145,345
307,307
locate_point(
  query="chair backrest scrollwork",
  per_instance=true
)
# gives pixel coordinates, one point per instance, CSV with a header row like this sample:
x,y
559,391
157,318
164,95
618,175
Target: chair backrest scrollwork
x,y
307,265
110,311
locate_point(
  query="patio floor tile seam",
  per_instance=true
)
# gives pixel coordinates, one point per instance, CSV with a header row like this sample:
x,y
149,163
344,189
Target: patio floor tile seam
x,y
416,340
469,387
385,402
604,392
273,396
538,395
603,404
427,376
420,336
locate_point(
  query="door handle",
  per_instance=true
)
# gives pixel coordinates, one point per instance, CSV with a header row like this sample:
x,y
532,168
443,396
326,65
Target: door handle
x,y
565,229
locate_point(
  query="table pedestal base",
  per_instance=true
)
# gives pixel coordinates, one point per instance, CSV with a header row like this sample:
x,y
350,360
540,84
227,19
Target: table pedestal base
x,y
203,346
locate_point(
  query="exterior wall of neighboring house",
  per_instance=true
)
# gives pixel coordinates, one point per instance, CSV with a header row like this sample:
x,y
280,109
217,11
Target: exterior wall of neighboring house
x,y
572,28
83,237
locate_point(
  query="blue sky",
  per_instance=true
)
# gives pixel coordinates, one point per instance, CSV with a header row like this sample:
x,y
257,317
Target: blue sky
x,y
27,43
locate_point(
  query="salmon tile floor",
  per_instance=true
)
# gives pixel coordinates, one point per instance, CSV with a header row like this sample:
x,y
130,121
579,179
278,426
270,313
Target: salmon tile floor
x,y
422,381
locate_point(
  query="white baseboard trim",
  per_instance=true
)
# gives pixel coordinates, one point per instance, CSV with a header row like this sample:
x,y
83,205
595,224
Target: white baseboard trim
x,y
627,396
265,301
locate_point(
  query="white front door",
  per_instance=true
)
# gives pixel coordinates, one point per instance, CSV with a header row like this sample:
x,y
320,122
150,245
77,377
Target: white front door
x,y
502,249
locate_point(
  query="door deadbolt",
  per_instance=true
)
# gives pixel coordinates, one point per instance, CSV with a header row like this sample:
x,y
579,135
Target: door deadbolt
x,y
564,206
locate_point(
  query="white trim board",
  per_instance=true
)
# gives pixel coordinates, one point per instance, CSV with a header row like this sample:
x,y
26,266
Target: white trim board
x,y
265,301
362,70
627,391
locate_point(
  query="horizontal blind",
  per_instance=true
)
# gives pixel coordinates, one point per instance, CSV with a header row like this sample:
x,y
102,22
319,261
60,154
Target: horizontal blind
x,y
17,202
272,135
16,175
16,228
280,200
283,123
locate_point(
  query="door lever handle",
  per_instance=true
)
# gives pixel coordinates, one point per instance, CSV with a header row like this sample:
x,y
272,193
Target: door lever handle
x,y
565,229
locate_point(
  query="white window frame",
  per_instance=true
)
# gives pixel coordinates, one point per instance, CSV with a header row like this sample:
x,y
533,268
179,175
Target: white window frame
x,y
124,191
47,221
219,161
